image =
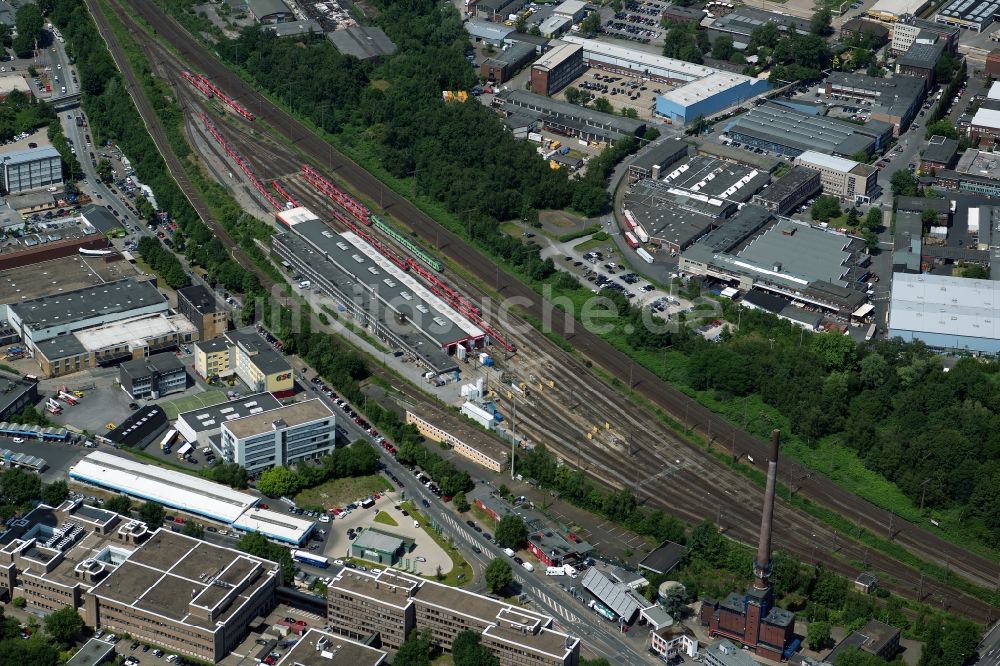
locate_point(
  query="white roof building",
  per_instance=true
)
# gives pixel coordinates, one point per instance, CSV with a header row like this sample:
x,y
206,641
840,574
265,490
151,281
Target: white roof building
x,y
986,118
822,160
892,10
946,312
655,65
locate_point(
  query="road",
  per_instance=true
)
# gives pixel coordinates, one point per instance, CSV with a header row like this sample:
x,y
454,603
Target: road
x,y
587,344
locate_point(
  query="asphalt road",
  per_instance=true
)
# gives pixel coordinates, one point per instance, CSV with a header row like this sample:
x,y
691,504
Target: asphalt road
x,y
818,488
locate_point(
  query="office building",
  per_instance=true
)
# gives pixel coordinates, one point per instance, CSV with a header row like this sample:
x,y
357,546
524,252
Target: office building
x,y
555,26
808,265
895,101
125,578
32,169
940,153
189,494
673,641
876,638
790,191
318,648
716,92
656,160
973,15
787,131
849,181
203,426
557,68
985,127
394,604
502,66
270,11
474,446
250,357
912,29
113,343
143,427
636,63
920,60
203,309
575,10
946,312
284,436
15,395
153,376
41,319
741,21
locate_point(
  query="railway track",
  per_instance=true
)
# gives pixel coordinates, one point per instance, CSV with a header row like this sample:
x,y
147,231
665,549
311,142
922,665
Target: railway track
x,y
693,490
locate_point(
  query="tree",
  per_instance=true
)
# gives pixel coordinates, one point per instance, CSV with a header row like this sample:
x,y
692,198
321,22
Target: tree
x,y
603,105
466,650
723,48
511,532
62,625
193,529
119,504
943,127
852,217
278,481
499,575
977,272
55,493
873,221
257,544
152,514
820,22
18,487
825,208
461,502
871,239
573,95
903,183
416,650
591,25
629,112
104,173
818,635
836,351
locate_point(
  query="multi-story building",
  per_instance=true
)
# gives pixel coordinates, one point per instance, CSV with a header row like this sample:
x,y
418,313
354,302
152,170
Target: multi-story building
x,y
113,343
283,436
789,191
125,578
921,60
910,29
673,641
557,68
940,153
40,319
31,169
202,426
204,310
656,160
895,101
846,179
502,66
243,352
318,648
16,394
394,604
488,455
985,127
153,376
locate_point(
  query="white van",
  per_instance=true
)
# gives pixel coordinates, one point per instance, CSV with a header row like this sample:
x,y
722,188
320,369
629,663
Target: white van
x,y
569,570
528,566
508,552
555,571
305,284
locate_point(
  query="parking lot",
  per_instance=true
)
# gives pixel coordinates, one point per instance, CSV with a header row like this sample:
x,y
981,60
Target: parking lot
x,y
638,22
620,90
59,456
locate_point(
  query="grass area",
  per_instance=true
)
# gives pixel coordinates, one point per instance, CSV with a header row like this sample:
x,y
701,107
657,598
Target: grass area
x,y
461,572
341,491
385,519
189,402
586,231
588,245
10,369
162,461
444,659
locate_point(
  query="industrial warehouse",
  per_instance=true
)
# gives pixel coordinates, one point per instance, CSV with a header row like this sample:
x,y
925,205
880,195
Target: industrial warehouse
x,y
946,312
190,494
376,291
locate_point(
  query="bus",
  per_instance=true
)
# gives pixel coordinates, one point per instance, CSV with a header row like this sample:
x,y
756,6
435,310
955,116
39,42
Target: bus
x,y
168,440
307,558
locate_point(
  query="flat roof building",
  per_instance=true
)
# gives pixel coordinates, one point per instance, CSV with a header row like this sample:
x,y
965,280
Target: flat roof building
x,y
985,127
875,638
380,546
101,220
203,309
910,29
295,28
190,494
706,96
576,10
946,312
487,31
555,25
741,21
895,101
553,549
465,441
626,60
199,426
724,653
787,131
569,119
394,604
15,395
284,436
270,11
939,153
250,357
142,427
920,60
809,265
850,181
557,68
152,376
790,191
654,160
31,169
93,653
666,556
497,10
891,11
319,648
362,42
507,62
976,15
44,318
125,578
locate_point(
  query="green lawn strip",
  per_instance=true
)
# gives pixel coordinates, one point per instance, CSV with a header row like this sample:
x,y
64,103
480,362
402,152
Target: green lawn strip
x,y
161,461
385,519
337,492
461,572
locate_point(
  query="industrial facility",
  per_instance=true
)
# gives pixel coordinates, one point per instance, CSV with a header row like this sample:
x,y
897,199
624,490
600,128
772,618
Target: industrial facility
x,y
32,169
945,312
752,618
568,119
976,15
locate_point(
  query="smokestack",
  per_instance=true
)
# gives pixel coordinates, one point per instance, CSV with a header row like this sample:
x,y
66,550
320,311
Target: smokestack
x,y
762,564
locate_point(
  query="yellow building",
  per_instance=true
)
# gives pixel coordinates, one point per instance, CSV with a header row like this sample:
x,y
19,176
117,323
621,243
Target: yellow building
x,y
258,365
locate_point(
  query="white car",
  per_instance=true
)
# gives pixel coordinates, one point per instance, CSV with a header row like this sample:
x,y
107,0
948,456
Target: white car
x,y
324,518
339,563
18,440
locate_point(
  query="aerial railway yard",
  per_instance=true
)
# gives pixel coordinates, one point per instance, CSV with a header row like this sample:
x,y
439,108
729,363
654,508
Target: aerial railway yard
x,y
569,401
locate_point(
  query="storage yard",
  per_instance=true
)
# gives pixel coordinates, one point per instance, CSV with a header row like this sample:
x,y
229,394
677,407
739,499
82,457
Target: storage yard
x,y
564,396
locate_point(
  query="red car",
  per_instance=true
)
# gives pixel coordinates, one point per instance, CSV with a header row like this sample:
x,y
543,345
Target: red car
x,y
264,506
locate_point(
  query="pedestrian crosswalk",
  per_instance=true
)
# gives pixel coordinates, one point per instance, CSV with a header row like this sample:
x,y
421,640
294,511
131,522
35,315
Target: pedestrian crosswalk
x,y
462,532
554,606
